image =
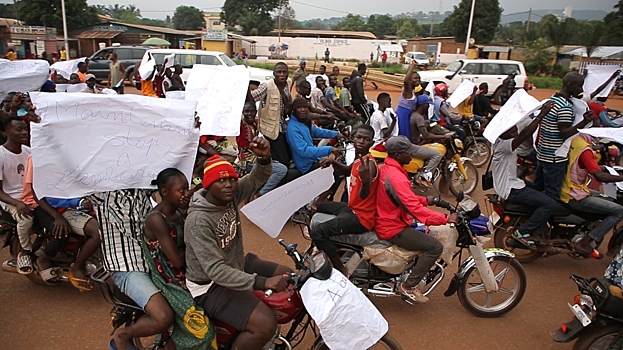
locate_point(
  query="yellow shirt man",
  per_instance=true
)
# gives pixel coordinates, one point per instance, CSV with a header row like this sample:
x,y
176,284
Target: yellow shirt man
x,y
465,108
11,56
63,55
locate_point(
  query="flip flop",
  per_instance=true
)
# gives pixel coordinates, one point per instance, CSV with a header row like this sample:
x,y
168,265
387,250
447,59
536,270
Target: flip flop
x,y
76,282
594,254
113,346
24,264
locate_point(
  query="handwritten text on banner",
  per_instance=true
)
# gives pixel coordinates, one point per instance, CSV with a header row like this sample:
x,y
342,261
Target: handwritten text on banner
x,y
220,93
90,143
23,75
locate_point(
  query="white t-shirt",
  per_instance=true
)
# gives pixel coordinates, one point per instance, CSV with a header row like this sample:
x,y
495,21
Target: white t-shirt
x,y
13,167
504,168
380,121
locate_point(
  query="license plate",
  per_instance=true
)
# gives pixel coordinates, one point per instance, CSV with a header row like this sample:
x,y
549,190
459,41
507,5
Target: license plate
x,y
580,314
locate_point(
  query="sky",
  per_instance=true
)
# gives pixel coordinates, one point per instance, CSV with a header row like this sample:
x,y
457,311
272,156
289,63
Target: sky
x,y
326,8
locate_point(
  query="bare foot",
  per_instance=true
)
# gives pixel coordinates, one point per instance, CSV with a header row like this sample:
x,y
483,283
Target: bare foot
x,y
77,273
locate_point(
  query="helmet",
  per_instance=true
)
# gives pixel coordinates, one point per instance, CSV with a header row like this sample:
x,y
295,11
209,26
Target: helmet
x,y
513,73
440,88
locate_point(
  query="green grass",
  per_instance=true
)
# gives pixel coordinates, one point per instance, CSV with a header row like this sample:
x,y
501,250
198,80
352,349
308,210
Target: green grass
x,y
545,82
393,69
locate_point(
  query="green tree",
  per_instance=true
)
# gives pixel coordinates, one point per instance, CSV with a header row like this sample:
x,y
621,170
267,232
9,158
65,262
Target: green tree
x,y
233,10
48,13
352,23
188,18
558,32
8,11
614,22
314,24
254,23
381,25
591,35
127,14
407,28
487,15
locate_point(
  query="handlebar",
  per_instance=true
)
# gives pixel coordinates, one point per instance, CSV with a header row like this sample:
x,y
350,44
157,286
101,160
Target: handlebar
x,y
290,279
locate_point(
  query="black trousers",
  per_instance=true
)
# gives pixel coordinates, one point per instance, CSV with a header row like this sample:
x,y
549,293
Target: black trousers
x,y
346,222
279,149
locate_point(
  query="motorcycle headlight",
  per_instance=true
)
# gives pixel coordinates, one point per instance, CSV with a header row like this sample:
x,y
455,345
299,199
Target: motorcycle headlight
x,y
477,125
458,143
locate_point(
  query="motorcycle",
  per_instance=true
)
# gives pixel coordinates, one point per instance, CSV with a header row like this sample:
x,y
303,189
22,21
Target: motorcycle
x,y
598,321
489,283
288,307
60,263
456,172
477,148
525,167
565,229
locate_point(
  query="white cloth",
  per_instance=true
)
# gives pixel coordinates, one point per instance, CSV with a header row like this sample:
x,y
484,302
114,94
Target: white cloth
x,y
168,81
12,174
380,121
504,168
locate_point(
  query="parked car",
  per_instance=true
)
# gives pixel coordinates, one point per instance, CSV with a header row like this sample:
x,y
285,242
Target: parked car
x,y
492,72
128,55
419,57
188,58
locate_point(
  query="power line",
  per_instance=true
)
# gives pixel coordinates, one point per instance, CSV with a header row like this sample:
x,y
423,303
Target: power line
x,y
320,7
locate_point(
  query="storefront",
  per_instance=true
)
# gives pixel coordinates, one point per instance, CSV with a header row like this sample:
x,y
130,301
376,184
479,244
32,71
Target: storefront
x,y
31,41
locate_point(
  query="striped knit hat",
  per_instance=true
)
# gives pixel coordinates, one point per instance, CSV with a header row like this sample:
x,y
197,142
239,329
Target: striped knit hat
x,y
216,168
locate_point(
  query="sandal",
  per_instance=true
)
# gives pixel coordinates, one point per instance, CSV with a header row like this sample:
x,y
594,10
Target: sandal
x,y
24,264
529,240
113,346
76,282
593,254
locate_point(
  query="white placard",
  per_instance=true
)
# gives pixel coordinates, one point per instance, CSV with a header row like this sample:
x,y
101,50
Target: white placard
x,y
346,317
610,188
147,66
67,68
311,79
615,134
272,210
76,87
23,75
108,91
597,75
462,92
430,87
220,92
518,106
89,143
170,60
176,95
62,87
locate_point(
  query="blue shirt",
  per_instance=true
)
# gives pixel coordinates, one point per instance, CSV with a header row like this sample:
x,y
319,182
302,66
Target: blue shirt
x,y
62,202
299,137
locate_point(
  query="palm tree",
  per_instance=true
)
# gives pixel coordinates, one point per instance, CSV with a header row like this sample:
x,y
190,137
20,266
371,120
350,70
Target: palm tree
x,y
254,23
558,32
591,35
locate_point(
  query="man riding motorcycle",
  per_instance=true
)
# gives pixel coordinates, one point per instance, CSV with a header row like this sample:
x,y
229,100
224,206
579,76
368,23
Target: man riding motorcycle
x,y
218,274
442,115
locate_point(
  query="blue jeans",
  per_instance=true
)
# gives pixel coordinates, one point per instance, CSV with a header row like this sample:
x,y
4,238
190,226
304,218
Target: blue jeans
x,y
544,208
135,284
279,172
549,177
595,204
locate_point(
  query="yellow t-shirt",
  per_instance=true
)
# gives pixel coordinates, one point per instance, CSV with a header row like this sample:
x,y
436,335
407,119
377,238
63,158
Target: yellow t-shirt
x,y
465,109
63,55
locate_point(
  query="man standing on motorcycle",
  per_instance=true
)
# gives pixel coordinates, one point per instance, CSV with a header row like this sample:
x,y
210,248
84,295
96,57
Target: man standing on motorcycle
x,y
397,206
419,132
508,186
575,192
218,274
359,215
556,127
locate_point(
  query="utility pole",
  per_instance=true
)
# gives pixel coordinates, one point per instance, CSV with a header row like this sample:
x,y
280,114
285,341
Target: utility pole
x,y
469,28
65,29
280,21
432,23
528,23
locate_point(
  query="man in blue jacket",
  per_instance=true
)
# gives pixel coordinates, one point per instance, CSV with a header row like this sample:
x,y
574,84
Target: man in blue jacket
x,y
299,134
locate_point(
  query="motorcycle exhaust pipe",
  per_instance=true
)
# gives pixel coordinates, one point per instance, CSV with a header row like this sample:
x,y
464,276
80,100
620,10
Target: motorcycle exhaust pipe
x,y
380,293
513,243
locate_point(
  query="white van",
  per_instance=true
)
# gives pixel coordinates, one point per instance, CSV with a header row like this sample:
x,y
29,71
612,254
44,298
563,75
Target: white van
x,y
188,58
419,57
492,72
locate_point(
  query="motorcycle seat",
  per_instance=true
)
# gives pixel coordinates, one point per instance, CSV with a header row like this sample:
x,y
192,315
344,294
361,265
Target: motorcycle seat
x,y
362,240
523,209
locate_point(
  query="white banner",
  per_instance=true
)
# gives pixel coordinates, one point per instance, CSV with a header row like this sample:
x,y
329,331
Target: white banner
x,y
220,92
517,107
67,68
23,75
76,87
176,95
430,87
346,317
272,210
462,92
90,143
597,75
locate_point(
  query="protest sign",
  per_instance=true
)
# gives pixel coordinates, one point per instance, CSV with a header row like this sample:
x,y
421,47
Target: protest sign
x,y
170,60
272,210
462,92
89,143
176,95
597,75
430,87
147,66
76,87
220,92
23,75
518,106
67,68
333,304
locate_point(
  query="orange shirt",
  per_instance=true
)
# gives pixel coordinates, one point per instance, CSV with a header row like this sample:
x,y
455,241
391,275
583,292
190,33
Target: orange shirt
x,y
28,196
365,209
147,88
82,76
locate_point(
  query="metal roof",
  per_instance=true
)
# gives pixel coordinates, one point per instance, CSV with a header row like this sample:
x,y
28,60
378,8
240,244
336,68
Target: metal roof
x,y
97,34
326,33
604,52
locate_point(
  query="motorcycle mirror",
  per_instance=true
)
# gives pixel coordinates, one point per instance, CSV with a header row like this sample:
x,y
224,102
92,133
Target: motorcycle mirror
x,y
460,196
320,266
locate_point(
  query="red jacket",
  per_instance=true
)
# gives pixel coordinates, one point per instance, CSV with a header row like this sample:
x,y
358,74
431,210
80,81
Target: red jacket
x,y
397,205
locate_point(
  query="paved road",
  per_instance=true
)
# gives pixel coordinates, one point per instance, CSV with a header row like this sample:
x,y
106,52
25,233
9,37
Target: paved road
x,y
55,318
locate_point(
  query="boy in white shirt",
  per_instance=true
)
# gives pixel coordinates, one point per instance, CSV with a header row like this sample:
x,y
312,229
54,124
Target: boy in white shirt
x,y
383,121
13,156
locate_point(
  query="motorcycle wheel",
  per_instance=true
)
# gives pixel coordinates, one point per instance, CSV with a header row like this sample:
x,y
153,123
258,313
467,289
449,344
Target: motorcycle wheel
x,y
511,279
600,339
525,256
458,183
479,152
387,342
